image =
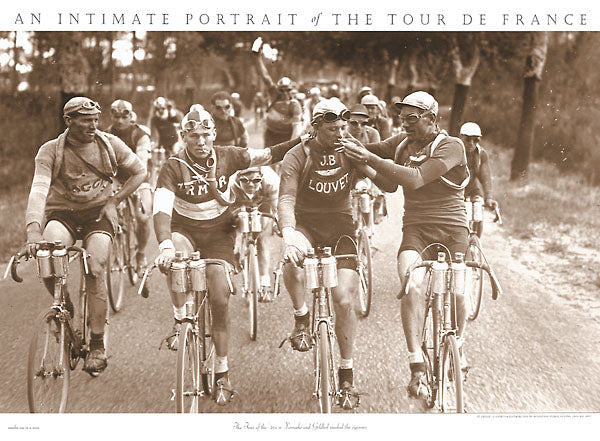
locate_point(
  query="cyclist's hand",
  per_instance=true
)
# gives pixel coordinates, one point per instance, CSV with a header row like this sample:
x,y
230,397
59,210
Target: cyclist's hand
x,y
296,245
491,204
164,258
109,211
256,45
355,151
33,238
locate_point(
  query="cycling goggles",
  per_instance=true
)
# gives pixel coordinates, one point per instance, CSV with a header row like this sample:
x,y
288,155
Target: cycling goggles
x,y
357,123
120,113
254,181
474,138
226,107
89,105
330,117
193,124
412,118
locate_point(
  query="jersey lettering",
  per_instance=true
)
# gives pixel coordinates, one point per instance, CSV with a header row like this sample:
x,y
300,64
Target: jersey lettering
x,y
329,187
328,160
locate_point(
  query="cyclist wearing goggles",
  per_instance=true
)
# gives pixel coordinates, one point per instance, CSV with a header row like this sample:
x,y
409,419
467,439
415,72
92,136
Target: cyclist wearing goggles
x,y
258,187
478,160
230,128
315,211
192,211
71,192
123,126
377,115
432,169
164,124
284,114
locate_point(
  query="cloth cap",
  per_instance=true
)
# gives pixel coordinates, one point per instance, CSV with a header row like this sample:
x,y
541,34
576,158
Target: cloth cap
x,y
121,106
160,102
420,100
359,109
81,105
250,170
470,129
284,83
330,105
369,100
314,91
235,95
200,116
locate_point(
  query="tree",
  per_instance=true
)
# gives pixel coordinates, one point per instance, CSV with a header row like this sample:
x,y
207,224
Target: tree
x,y
534,66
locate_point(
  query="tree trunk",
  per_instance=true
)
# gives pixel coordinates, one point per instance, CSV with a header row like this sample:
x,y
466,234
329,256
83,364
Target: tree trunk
x,y
534,66
111,65
464,75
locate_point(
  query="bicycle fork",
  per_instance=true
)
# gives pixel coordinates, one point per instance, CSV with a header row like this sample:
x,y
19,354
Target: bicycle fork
x,y
323,304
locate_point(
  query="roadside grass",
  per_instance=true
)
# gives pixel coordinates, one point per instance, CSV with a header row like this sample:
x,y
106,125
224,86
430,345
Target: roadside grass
x,y
12,218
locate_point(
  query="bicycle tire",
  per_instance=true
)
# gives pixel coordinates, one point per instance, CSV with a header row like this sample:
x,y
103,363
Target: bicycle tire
x,y
188,385
476,285
326,389
130,247
115,278
207,348
452,399
365,272
48,370
429,349
254,286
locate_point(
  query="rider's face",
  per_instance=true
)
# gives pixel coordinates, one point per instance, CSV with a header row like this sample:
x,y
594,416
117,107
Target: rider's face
x,y
422,126
357,125
120,120
470,142
222,109
199,141
82,127
330,134
251,182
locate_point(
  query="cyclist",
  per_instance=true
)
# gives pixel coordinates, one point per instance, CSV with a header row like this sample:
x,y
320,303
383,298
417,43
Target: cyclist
x,y
72,191
377,117
121,113
432,169
230,128
480,185
258,187
365,90
314,98
284,114
395,117
259,105
358,127
237,104
192,211
315,210
164,123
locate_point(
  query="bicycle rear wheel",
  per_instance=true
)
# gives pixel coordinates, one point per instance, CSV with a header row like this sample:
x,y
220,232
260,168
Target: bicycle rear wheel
x,y
253,287
476,282
327,387
452,400
365,273
115,272
48,369
188,387
207,348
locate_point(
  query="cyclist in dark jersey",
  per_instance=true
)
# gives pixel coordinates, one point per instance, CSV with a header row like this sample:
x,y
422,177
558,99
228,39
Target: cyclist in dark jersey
x,y
121,113
432,169
164,123
230,128
315,211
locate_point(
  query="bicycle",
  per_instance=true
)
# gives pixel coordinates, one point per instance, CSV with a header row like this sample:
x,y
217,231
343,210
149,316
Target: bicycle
x,y
196,351
249,225
443,373
156,162
474,207
362,210
320,269
122,259
57,343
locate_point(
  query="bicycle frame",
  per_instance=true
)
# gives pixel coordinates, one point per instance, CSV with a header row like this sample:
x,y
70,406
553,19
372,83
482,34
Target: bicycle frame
x,y
362,204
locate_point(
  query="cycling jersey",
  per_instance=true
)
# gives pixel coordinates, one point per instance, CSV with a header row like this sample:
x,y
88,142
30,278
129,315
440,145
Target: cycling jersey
x,y
130,136
166,128
481,177
231,132
62,181
265,197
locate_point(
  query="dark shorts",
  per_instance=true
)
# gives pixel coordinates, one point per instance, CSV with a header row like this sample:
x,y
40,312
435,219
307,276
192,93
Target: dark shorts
x,y
418,237
213,243
335,230
82,223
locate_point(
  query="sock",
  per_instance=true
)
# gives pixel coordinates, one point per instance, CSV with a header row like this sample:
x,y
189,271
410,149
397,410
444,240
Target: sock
x,y
345,375
415,357
96,341
265,280
302,311
179,312
345,363
221,365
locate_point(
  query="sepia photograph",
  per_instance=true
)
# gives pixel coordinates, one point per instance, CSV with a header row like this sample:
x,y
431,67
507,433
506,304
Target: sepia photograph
x,y
316,221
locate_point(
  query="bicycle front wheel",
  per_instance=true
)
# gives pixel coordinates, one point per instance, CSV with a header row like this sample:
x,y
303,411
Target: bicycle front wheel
x,y
365,273
326,379
429,348
452,400
207,348
188,388
114,274
130,247
254,286
476,283
48,369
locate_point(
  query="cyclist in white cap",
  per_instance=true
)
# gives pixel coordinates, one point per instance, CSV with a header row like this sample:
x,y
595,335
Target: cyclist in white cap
x,y
377,116
315,211
480,185
432,169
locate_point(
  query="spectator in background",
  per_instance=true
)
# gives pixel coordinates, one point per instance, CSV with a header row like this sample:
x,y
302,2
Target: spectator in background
x,y
230,129
376,118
